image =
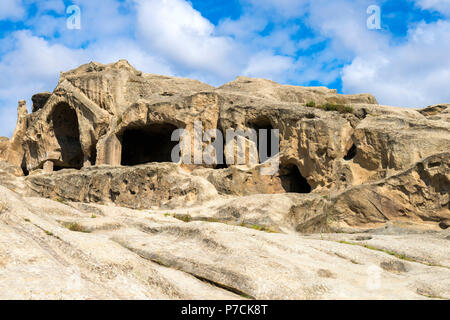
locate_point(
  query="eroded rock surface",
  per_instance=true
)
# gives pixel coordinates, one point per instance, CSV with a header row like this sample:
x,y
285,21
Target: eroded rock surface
x,y
91,205
71,250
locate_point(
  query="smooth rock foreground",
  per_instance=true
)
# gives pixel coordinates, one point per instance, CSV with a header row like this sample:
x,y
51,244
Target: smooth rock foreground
x,y
359,208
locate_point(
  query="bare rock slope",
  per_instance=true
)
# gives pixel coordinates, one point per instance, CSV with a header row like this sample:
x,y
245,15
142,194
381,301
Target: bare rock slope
x,y
91,205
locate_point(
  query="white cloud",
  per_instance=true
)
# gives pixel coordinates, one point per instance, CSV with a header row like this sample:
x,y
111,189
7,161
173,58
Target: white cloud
x,y
245,27
11,10
442,6
268,65
344,23
414,74
32,65
123,48
173,29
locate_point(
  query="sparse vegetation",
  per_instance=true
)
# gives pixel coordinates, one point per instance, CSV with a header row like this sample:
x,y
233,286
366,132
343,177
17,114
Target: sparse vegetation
x,y
119,120
48,233
183,217
429,295
337,107
188,218
26,220
60,200
93,216
331,107
159,261
76,227
213,220
258,227
311,104
392,253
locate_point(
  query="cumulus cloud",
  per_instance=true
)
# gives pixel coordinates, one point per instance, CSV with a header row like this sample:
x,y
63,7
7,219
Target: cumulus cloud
x,y
442,6
415,73
268,65
11,10
32,65
175,30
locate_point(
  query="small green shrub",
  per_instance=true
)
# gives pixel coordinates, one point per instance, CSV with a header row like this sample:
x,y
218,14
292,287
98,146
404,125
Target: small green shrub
x,y
257,227
76,227
337,107
331,107
60,200
183,217
347,109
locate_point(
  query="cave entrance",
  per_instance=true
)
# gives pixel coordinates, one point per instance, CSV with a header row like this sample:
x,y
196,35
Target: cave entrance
x,y
24,167
293,181
67,133
148,144
264,144
221,161
351,153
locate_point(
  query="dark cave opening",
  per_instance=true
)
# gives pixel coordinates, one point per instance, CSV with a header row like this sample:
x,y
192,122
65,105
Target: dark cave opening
x,y
292,180
221,166
351,153
65,126
264,145
147,144
221,161
24,168
93,156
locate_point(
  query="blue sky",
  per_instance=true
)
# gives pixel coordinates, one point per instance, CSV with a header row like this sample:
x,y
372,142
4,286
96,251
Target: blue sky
x,y
300,42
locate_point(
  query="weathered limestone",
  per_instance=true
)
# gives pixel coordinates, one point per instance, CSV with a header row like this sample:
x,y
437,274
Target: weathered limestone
x,y
361,196
109,116
39,100
146,186
419,194
48,166
4,145
54,250
15,152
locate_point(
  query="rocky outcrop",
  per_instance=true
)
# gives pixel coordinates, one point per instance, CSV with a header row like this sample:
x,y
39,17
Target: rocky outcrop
x,y
71,250
437,112
39,100
4,145
419,194
15,152
146,186
92,206
344,149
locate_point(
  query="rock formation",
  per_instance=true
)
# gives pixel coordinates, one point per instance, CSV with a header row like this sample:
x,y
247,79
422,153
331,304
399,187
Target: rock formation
x,y
98,148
